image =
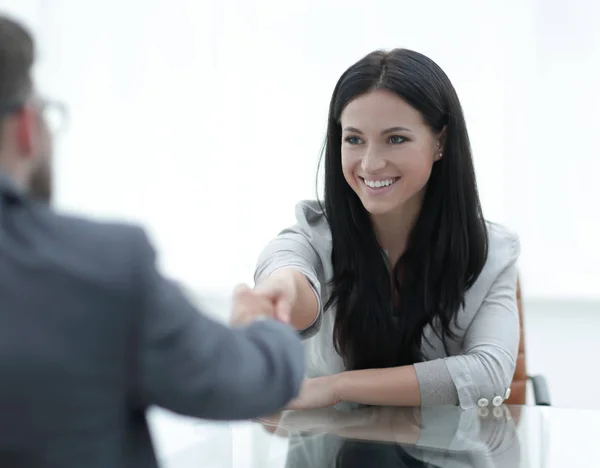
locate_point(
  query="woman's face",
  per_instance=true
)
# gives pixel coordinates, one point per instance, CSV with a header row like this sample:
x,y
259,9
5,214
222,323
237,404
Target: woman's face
x,y
388,151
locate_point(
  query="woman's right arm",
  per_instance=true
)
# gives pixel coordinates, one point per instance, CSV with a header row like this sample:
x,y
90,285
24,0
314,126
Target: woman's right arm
x,y
289,272
293,296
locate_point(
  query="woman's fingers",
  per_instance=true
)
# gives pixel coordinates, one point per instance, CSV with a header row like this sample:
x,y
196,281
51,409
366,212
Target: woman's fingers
x,y
249,304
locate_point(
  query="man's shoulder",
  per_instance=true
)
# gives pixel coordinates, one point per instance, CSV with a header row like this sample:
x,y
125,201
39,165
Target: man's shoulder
x,y
81,231
93,250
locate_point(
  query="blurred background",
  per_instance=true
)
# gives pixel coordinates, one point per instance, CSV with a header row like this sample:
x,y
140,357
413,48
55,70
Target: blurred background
x,y
204,120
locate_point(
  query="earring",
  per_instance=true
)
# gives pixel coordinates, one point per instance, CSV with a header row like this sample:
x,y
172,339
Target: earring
x,y
440,155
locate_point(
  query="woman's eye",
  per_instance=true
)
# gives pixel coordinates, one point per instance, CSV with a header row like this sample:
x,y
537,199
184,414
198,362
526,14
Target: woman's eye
x,y
396,139
353,140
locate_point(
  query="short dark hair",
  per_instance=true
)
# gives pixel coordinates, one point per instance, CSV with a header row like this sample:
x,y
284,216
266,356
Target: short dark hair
x,y
447,247
17,55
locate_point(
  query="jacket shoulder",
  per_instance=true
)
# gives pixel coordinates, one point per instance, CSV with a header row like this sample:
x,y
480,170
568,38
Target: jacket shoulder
x,y
106,253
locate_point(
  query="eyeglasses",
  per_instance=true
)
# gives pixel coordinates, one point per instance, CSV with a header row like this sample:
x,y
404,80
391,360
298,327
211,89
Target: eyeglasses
x,y
53,113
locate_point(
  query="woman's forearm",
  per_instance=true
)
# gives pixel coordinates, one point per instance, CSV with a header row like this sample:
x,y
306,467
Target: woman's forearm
x,y
395,386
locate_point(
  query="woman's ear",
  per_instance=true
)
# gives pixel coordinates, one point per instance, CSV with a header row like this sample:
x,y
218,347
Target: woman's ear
x,y
439,144
442,137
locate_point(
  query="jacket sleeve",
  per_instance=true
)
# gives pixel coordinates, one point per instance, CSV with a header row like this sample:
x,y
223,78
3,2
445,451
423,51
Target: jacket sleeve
x,y
193,365
306,247
487,363
291,249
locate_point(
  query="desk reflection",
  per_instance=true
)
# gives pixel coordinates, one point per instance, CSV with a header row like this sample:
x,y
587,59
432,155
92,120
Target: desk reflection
x,y
400,437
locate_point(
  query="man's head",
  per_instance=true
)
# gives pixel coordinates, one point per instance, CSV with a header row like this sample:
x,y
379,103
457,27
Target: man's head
x,y
25,139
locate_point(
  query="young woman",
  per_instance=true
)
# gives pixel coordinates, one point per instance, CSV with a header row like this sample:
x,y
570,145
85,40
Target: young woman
x,y
404,293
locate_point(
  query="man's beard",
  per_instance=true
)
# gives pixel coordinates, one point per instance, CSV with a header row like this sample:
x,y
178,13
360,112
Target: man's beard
x,y
40,184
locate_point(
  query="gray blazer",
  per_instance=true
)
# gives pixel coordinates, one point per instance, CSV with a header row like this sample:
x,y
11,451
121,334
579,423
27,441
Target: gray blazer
x,y
91,335
480,363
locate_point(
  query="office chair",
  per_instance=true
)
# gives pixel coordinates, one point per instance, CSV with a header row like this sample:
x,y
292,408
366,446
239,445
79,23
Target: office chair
x,y
518,388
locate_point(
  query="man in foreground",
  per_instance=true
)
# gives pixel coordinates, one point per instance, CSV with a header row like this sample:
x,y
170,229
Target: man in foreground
x,y
91,334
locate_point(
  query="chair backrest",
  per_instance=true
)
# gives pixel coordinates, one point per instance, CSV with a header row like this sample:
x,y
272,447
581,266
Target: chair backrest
x,y
519,384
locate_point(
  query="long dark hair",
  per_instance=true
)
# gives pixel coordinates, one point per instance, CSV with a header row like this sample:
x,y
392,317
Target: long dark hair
x,y
447,247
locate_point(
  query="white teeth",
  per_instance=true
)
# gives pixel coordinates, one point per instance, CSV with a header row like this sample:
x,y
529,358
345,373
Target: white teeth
x,y
379,183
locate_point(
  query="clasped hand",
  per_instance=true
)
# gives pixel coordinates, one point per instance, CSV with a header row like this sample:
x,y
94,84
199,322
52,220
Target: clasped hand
x,y
250,305
274,299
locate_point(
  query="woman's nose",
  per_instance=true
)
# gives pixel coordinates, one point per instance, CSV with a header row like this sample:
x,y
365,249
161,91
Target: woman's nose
x,y
372,163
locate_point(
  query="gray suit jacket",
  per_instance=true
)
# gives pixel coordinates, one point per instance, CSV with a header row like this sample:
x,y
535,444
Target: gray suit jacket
x,y
91,335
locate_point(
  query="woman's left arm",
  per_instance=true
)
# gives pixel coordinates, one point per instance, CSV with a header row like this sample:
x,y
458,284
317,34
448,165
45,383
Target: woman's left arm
x,y
483,371
397,386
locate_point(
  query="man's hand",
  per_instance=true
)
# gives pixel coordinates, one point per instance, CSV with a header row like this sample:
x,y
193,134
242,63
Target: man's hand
x,y
249,306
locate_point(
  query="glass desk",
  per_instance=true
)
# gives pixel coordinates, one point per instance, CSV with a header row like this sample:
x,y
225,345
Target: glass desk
x,y
494,437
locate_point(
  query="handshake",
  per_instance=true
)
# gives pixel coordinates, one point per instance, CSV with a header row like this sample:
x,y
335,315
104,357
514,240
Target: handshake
x,y
272,299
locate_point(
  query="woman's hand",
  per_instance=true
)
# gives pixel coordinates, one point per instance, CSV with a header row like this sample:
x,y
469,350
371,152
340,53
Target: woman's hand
x,y
319,392
249,306
280,290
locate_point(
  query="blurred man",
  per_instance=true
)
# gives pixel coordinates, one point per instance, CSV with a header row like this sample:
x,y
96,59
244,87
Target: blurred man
x,y
91,334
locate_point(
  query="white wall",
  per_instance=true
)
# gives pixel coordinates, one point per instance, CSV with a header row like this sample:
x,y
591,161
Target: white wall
x,y
204,119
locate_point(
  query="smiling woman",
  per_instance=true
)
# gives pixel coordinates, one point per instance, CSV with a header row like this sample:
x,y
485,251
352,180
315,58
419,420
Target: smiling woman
x,y
404,293
397,159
